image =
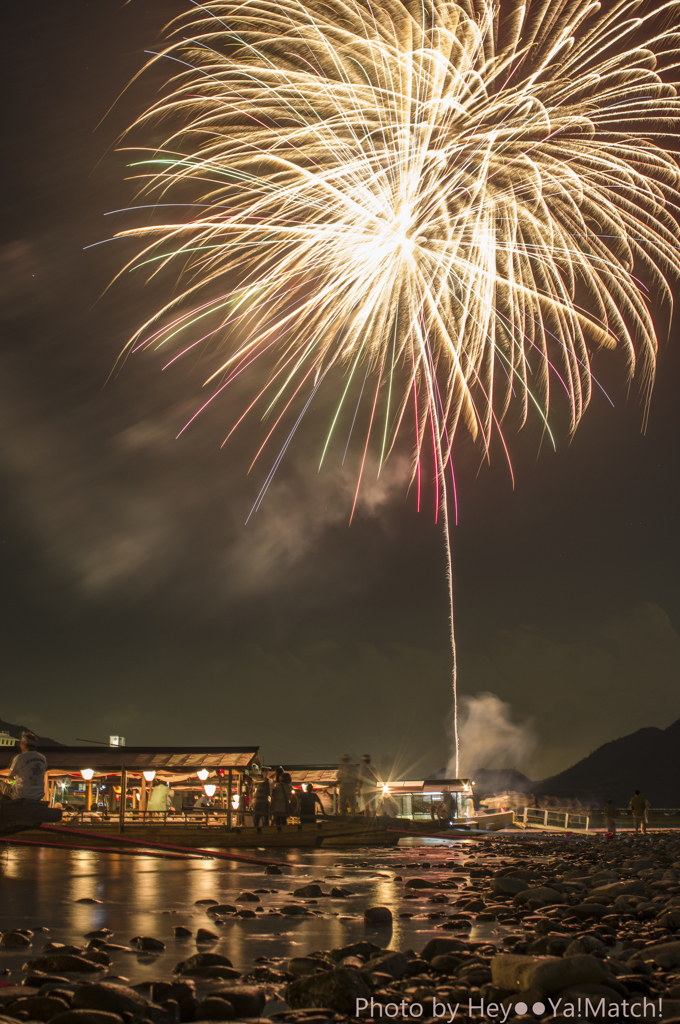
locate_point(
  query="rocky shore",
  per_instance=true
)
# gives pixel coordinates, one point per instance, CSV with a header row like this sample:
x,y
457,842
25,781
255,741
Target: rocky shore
x,y
582,930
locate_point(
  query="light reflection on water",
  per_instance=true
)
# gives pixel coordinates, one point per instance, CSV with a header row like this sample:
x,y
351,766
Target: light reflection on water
x,y
150,896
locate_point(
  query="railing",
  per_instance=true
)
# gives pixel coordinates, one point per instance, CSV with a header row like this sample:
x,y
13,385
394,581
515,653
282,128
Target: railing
x,y
554,818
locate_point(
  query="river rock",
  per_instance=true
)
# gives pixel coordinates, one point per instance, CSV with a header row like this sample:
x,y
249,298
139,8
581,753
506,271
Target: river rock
x,y
214,1008
378,916
86,1017
294,910
247,897
87,899
437,946
509,886
661,949
204,935
618,889
41,1008
390,962
309,891
247,1000
201,960
584,944
420,883
15,940
301,966
670,919
147,943
540,892
272,869
336,990
363,949
216,973
446,963
589,910
65,962
222,908
548,974
205,902
111,998
474,974
181,932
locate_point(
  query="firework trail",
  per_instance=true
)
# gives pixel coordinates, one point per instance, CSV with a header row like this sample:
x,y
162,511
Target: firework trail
x,y
437,210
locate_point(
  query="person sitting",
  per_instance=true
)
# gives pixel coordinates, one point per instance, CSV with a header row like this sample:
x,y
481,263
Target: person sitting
x,y
159,798
28,769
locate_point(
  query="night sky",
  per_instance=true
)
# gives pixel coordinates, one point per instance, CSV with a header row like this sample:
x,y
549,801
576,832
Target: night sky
x,y
134,599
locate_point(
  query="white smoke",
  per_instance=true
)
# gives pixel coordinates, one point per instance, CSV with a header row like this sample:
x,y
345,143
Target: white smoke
x,y
488,736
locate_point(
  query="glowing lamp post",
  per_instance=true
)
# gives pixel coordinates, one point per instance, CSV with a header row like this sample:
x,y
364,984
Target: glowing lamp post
x,y
148,776
87,774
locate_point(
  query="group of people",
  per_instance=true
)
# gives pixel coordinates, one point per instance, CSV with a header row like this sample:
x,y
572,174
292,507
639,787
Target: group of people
x,y
639,807
274,801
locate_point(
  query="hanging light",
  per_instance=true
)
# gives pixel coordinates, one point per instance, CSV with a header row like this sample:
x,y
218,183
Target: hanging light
x,y
209,790
87,774
235,801
149,776
203,774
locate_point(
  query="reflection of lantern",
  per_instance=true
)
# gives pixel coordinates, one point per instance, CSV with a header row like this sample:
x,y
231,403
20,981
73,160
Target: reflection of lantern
x,y
87,774
149,776
203,774
209,790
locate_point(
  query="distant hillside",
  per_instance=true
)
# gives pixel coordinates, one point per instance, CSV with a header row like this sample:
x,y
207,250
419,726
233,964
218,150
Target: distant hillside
x,y
16,731
648,760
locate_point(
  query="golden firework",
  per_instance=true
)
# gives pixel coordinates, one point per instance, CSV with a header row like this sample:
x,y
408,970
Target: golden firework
x,y
449,205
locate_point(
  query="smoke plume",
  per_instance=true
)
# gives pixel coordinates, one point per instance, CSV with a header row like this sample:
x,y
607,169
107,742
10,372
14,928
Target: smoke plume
x,y
488,736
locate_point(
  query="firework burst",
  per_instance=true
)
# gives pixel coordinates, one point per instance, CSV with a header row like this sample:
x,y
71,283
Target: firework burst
x,y
436,209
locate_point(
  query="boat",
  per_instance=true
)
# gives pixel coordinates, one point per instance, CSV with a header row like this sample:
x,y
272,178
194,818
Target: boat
x,y
26,815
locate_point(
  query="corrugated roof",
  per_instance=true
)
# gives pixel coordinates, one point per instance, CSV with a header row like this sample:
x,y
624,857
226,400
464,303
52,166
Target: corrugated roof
x,y
182,760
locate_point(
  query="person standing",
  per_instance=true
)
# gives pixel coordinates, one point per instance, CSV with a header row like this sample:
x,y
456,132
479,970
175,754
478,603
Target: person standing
x,y
282,799
369,784
160,797
610,817
28,769
639,805
308,800
347,779
261,803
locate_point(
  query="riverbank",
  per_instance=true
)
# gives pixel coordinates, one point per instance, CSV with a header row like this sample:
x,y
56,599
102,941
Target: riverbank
x,y
495,930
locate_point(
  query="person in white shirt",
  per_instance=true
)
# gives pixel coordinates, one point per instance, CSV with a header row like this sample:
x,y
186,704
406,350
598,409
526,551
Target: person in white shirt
x,y
28,769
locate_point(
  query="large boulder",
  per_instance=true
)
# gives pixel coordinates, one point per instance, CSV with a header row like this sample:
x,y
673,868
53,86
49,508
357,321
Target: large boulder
x,y
336,990
15,940
421,883
546,974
